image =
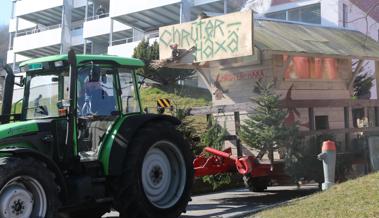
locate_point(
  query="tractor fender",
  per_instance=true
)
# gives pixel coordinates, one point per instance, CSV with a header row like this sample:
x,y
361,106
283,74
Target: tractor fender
x,y
129,127
51,165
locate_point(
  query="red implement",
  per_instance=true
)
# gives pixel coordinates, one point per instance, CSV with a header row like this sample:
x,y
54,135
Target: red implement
x,y
224,162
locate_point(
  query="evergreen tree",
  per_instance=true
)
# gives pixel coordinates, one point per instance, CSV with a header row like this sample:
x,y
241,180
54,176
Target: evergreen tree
x,y
147,53
362,86
264,129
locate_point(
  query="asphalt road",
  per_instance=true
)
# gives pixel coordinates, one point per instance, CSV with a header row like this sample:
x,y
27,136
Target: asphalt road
x,y
239,202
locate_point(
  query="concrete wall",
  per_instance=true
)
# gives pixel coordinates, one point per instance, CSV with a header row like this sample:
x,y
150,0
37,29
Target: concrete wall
x,y
30,6
37,40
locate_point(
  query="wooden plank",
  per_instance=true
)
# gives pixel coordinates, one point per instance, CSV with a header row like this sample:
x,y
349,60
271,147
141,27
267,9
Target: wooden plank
x,y
376,116
237,124
250,107
311,118
329,103
346,115
341,131
215,38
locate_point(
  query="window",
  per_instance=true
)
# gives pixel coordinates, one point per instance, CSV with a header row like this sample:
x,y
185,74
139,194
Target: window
x,y
311,14
344,15
280,15
314,68
306,14
43,92
96,94
322,122
129,99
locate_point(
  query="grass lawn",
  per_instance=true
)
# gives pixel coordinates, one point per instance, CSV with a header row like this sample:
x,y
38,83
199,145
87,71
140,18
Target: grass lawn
x,y
355,198
181,97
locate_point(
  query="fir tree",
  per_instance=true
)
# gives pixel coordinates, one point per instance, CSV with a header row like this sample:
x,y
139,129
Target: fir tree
x,y
264,129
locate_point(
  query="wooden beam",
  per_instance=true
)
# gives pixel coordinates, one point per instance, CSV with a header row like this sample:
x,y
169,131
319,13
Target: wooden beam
x,y
341,131
237,123
325,55
346,113
329,103
250,107
311,118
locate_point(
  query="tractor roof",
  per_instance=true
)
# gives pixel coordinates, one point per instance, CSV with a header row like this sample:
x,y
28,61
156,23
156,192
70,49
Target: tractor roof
x,y
85,58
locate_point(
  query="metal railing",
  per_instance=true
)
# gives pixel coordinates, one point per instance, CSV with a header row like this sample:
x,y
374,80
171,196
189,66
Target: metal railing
x,y
122,41
133,39
96,17
38,30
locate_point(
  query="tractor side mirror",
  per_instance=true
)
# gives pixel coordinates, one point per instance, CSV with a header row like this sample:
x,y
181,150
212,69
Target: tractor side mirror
x,y
20,82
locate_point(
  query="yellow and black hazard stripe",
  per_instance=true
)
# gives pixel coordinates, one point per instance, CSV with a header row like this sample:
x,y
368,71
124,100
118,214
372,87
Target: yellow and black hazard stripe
x,y
163,103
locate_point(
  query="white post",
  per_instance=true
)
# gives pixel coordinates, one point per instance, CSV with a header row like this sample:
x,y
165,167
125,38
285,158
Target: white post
x,y
111,33
225,6
14,54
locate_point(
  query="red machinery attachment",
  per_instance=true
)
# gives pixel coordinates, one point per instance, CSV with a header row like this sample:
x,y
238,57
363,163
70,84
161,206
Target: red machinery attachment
x,y
224,162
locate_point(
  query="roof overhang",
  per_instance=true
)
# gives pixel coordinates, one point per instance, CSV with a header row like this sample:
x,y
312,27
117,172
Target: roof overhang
x,y
312,40
152,19
53,16
40,52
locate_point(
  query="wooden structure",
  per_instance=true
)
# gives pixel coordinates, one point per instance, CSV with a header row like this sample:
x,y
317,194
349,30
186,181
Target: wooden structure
x,y
311,67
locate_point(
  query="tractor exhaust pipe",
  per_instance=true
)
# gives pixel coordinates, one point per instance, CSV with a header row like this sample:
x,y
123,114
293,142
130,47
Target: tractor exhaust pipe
x,y
71,136
8,86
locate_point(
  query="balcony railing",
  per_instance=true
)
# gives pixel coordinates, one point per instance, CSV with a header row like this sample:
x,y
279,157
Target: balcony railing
x,y
96,17
37,30
133,39
122,41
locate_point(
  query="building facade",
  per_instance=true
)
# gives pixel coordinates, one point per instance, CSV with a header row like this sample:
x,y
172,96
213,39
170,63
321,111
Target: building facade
x,y
116,26
97,26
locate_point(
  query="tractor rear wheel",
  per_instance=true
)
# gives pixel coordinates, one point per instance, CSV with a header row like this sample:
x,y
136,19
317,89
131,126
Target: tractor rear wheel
x,y
159,174
256,184
27,189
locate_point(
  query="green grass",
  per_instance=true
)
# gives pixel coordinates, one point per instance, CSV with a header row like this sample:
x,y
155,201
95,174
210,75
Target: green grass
x,y
179,96
182,98
355,198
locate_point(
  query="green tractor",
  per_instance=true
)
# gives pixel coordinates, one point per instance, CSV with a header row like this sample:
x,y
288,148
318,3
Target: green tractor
x,y
82,144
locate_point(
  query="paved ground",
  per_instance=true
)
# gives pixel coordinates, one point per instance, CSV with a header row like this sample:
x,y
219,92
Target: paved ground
x,y
240,202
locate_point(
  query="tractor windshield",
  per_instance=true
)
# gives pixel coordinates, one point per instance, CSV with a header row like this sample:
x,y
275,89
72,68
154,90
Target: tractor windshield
x,y
98,92
42,93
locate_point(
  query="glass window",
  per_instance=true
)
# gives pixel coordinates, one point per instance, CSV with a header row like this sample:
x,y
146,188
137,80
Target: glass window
x,y
311,14
306,14
294,14
128,96
281,15
43,97
96,95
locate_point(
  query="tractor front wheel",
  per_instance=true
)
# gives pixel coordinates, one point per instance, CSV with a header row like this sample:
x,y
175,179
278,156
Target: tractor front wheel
x,y
159,174
27,189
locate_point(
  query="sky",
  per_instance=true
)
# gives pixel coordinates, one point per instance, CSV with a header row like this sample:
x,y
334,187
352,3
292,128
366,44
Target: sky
x,y
5,11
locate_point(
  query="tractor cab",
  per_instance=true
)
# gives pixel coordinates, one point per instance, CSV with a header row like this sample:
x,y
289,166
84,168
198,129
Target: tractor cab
x,y
104,90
